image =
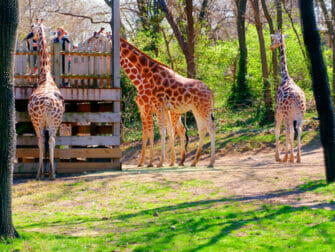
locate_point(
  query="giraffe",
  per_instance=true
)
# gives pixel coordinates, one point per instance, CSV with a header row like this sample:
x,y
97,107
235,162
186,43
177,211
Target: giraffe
x,y
46,104
146,108
291,104
173,92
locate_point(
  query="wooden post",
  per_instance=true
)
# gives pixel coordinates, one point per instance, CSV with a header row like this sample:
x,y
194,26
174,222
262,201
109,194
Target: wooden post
x,y
115,64
57,63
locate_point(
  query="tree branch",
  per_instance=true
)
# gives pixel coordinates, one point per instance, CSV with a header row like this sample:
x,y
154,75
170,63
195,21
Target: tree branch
x,y
79,16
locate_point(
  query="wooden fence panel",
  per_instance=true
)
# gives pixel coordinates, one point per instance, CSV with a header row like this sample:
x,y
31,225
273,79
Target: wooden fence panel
x,y
91,139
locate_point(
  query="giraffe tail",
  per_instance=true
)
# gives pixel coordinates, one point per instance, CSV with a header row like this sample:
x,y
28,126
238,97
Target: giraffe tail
x,y
46,143
295,129
186,129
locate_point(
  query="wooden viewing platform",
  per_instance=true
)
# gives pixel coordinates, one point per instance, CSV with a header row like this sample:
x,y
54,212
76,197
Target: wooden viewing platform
x,y
89,137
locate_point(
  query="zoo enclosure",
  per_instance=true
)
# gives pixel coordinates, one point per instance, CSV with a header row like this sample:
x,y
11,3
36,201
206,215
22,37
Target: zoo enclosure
x,y
90,132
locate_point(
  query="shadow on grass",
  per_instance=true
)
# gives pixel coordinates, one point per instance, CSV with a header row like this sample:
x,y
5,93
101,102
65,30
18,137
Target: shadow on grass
x,y
152,235
226,223
308,186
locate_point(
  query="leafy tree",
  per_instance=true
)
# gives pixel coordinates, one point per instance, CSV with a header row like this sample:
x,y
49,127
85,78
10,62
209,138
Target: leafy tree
x,y
320,85
240,94
8,26
265,71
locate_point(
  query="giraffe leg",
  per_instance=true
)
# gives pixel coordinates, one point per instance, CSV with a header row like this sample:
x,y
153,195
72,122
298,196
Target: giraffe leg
x,y
180,129
41,156
151,140
52,144
202,133
291,142
279,117
162,132
211,129
298,142
171,135
144,140
287,132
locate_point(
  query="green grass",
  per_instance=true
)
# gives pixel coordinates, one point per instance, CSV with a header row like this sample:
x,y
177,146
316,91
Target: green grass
x,y
106,213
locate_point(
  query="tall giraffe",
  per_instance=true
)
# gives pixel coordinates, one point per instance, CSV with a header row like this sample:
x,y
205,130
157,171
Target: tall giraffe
x,y
291,104
146,108
173,92
46,104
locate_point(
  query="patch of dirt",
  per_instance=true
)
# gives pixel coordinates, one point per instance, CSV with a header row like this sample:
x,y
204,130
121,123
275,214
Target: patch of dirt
x,y
248,176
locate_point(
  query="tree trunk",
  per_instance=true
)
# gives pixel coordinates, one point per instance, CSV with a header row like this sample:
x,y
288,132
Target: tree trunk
x,y
265,71
279,15
191,69
8,26
320,85
240,94
274,52
333,18
186,47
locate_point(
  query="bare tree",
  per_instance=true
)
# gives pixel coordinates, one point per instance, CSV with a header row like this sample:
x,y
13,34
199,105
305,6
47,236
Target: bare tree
x,y
274,52
330,22
185,41
240,93
9,11
320,85
267,88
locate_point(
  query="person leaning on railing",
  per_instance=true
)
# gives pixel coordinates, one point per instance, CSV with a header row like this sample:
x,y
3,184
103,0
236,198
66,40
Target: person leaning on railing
x,y
63,38
32,46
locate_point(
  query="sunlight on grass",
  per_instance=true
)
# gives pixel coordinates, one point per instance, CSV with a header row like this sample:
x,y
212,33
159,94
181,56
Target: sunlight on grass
x,y
106,214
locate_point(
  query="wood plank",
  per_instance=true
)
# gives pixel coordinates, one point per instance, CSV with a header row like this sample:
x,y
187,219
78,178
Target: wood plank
x,y
68,167
73,140
80,117
77,94
86,129
116,43
72,153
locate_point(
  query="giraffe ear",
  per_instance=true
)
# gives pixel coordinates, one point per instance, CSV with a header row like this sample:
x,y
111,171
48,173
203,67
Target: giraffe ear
x,y
286,35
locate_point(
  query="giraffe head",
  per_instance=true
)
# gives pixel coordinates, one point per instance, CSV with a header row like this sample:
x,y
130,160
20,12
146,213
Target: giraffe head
x,y
37,30
277,40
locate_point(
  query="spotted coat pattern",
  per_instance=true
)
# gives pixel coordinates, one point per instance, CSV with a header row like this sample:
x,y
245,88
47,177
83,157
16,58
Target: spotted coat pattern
x,y
173,92
46,104
146,108
291,105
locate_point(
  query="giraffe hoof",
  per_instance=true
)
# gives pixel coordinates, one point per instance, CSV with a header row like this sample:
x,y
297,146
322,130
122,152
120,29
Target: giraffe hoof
x,y
139,165
171,164
180,164
210,166
278,160
150,165
159,165
194,164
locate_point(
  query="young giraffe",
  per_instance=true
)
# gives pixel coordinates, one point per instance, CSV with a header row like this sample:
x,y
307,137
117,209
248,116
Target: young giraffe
x,y
146,108
172,92
46,104
291,104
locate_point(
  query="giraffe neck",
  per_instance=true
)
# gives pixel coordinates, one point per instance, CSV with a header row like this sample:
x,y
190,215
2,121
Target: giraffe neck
x,y
283,65
145,64
44,58
132,72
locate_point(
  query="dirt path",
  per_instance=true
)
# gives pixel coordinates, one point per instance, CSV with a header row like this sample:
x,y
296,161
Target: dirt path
x,y
251,176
